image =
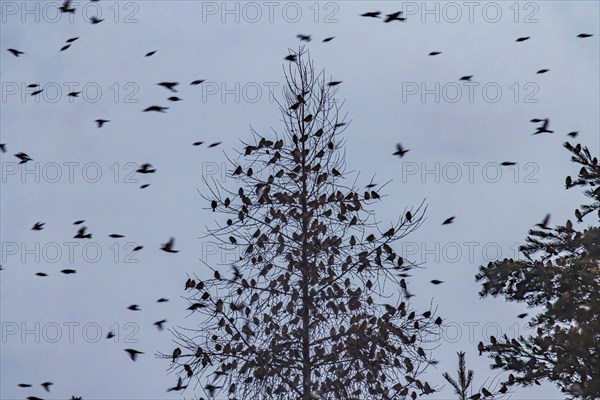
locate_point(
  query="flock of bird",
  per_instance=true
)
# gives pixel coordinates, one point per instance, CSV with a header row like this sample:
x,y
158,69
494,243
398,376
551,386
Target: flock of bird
x,y
147,168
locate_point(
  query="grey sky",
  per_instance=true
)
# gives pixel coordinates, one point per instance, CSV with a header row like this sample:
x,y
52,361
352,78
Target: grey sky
x,y
459,140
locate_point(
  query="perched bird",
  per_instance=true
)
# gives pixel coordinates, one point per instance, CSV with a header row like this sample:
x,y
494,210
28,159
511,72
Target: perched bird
x,y
544,127
150,53
15,52
38,226
584,35
169,85
394,17
134,307
578,215
174,98
400,151
522,39
101,122
409,216
81,234
23,157
435,53
486,393
448,221
466,78
480,347
197,82
133,353
68,271
544,223
146,168
329,39
159,324
156,108
304,38
542,71
168,247
372,14
176,353
46,386
95,20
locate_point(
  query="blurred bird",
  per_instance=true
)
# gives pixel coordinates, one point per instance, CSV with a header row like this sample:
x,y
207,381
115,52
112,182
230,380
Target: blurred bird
x,y
169,85
573,134
101,122
15,52
146,168
95,20
81,234
23,157
329,39
507,163
65,47
544,223
372,14
466,78
168,247
448,221
435,53
178,387
74,94
133,353
151,53
544,127
291,57
71,40
394,17
64,8
214,144
542,71
46,386
162,300
436,282
174,98
522,39
156,108
197,82
159,324
584,35
304,38
68,271
38,226
134,307
400,151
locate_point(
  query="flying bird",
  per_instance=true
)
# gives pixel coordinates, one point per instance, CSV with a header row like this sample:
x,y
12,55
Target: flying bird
x,y
507,163
74,94
138,248
304,38
81,234
110,335
372,14
115,236
38,226
177,387
174,98
544,127
168,247
159,324
291,57
522,39
95,20
15,52
197,143
24,385
64,8
448,221
435,53
144,186
41,274
134,307
544,223
79,222
146,168
23,157
542,71
72,39
133,353
169,85
329,39
35,93
522,315
162,300
197,82
394,17
214,144
584,35
68,271
466,78
3,147
400,151
150,53
334,83
573,134
101,122
156,108
436,282
65,47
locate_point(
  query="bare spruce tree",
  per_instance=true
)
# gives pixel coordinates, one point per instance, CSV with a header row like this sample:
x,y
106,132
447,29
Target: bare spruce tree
x,y
317,305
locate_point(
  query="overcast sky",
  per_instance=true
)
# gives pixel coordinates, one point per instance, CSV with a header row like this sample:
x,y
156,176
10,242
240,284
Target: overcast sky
x,y
53,327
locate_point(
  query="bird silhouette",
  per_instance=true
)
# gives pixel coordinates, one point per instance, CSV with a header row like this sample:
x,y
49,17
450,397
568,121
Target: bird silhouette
x,y
24,385
466,78
448,221
162,300
64,8
150,53
134,307
101,122
146,168
400,151
544,127
197,82
133,353
68,271
41,274
522,315
435,53
144,186
329,39
3,147
573,134
174,98
334,83
214,144
36,92
522,39
46,386
138,248
436,281
177,387
159,324
304,38
372,14
71,40
81,234
507,163
79,222
168,247
23,157
38,226
394,17
542,71
156,108
74,94
15,52
65,47
33,85
95,20
169,85
544,223
584,35
176,353
110,335
115,236
291,57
